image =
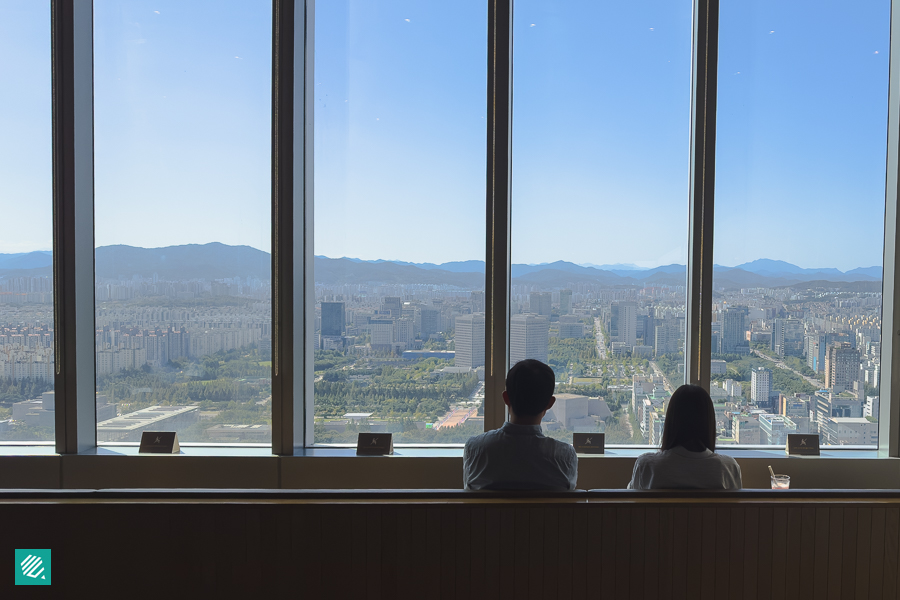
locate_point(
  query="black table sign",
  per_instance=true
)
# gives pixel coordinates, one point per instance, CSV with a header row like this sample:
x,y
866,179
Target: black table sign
x,y
803,444
159,442
589,443
375,444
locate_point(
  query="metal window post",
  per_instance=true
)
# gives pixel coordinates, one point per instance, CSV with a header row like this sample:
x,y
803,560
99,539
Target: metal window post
x,y
499,164
293,296
889,410
73,224
703,161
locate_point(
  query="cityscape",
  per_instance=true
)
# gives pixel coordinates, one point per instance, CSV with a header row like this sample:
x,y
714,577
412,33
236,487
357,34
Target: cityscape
x,y
184,341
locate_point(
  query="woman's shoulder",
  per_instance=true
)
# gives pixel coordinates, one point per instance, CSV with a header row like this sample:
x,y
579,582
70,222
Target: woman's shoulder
x,y
648,457
725,459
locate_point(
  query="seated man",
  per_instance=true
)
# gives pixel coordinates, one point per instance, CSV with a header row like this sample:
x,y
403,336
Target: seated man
x,y
518,456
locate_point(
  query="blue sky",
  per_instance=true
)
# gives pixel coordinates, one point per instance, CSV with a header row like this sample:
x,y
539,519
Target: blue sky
x,y
600,140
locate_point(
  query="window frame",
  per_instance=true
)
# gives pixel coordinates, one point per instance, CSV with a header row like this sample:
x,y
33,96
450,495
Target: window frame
x,y
293,36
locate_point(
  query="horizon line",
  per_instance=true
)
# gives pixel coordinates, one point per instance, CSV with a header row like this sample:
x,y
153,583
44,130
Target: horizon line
x,y
608,267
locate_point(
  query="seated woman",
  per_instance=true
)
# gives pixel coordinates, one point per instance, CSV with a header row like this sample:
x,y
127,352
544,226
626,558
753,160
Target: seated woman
x,y
687,457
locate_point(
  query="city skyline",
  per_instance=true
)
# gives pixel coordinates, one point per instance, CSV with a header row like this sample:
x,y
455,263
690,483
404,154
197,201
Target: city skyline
x,y
617,267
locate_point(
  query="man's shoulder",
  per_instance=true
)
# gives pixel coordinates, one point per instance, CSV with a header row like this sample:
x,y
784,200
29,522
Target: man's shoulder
x,y
482,438
560,446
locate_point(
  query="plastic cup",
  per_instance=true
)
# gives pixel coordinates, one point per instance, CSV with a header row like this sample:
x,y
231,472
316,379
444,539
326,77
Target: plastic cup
x,y
781,482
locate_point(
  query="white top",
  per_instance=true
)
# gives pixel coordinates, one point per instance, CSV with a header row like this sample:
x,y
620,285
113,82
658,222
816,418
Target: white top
x,y
680,468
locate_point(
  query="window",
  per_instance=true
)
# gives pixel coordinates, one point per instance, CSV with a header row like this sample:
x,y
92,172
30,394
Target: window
x,y
399,227
600,127
27,403
599,196
800,172
182,96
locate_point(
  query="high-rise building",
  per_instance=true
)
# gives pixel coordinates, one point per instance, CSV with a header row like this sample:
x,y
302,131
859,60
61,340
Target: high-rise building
x,y
468,340
760,385
529,337
787,337
745,429
665,339
477,299
430,321
393,306
565,302
539,303
624,317
774,429
734,331
332,319
842,368
403,331
841,431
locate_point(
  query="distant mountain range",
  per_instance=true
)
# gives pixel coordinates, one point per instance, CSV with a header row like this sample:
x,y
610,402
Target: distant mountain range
x,y
220,261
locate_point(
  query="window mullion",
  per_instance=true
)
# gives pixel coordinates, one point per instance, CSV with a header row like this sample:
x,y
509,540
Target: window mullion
x,y
889,411
703,154
497,266
292,251
73,225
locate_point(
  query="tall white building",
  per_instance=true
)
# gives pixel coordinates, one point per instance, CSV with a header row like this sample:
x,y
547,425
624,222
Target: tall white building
x,y
468,340
625,316
565,302
529,337
760,385
539,303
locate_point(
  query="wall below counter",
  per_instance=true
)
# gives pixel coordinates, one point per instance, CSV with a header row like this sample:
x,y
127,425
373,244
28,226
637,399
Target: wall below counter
x,y
401,471
537,548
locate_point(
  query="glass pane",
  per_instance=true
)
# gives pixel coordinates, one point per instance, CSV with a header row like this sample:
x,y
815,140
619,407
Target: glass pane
x,y
399,219
27,409
182,124
800,171
599,217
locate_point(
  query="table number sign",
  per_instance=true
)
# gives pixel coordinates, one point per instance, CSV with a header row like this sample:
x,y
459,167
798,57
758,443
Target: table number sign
x,y
803,444
589,443
375,444
159,442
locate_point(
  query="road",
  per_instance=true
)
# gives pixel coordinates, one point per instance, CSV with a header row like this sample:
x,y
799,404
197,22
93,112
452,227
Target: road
x,y
601,340
817,383
658,371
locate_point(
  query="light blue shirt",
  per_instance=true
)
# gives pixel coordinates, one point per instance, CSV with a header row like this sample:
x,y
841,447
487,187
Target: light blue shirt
x,y
518,457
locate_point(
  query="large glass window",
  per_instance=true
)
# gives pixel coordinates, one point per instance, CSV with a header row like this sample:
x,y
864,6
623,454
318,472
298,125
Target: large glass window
x,y
600,208
799,220
400,101
183,222
27,409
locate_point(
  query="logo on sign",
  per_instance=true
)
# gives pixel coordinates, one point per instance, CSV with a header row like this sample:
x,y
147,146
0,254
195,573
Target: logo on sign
x,y
33,567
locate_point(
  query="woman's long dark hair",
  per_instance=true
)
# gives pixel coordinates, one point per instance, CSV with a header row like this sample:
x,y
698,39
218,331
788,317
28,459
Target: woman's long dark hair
x,y
690,419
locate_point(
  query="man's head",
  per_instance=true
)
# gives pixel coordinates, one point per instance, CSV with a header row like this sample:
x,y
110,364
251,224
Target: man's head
x,y
529,388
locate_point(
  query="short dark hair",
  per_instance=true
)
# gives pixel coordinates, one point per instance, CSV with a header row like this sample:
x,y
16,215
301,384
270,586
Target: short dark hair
x,y
690,417
530,384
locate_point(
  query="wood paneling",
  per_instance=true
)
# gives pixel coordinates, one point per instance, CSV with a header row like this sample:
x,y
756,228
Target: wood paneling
x,y
537,549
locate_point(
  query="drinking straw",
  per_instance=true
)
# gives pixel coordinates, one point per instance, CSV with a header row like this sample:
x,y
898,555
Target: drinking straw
x,y
771,471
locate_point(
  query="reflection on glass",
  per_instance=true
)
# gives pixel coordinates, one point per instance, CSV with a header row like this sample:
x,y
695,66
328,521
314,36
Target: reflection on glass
x,y
599,216
27,409
802,115
399,220
183,292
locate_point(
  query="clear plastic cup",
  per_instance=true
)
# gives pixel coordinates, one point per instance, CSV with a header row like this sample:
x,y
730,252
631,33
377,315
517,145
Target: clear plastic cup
x,y
781,482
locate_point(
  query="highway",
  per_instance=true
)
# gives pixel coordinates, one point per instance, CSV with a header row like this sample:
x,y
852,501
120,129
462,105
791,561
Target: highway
x,y
817,383
658,371
601,340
